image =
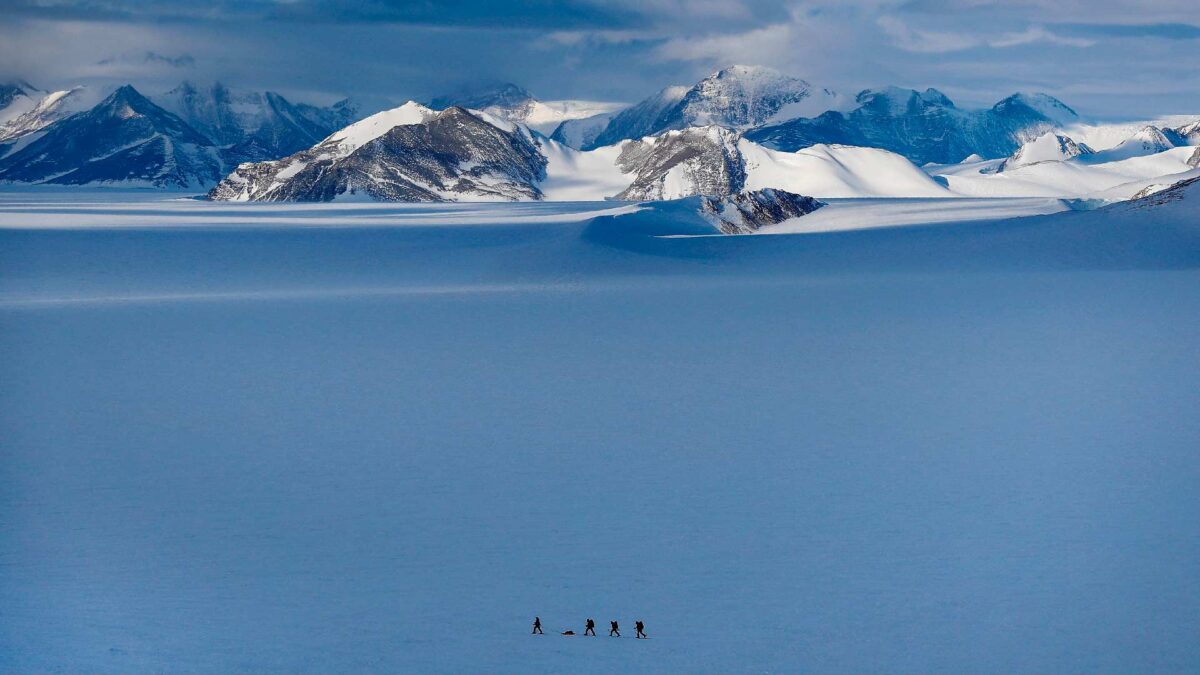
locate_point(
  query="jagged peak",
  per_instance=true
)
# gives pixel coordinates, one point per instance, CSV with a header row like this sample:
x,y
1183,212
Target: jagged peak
x,y
125,100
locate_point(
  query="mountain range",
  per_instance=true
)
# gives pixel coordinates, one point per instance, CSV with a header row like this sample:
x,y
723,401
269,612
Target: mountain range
x,y
187,137
740,128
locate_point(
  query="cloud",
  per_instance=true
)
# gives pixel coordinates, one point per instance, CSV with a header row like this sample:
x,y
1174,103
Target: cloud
x,y
978,50
1167,31
766,44
153,58
934,42
924,41
1038,34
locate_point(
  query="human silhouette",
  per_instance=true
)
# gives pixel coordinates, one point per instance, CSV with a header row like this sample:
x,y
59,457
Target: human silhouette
x,y
639,626
614,631
537,626
590,629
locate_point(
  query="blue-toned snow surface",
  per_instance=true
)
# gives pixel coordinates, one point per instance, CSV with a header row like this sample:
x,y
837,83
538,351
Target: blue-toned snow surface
x,y
368,438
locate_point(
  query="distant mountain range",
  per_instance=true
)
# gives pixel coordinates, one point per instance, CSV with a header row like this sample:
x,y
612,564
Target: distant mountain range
x,y
187,137
740,128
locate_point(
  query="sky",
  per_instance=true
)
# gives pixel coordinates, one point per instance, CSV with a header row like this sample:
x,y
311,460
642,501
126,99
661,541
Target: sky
x,y
1106,58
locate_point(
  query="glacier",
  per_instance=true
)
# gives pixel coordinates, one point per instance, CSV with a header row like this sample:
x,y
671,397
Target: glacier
x,y
382,437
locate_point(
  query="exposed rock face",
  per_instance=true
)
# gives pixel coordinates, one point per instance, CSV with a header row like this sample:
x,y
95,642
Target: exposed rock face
x,y
695,161
1155,195
923,126
125,138
1189,134
747,212
1194,160
443,156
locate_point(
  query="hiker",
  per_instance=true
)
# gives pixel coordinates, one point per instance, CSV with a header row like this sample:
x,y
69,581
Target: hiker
x,y
537,626
639,626
614,631
590,629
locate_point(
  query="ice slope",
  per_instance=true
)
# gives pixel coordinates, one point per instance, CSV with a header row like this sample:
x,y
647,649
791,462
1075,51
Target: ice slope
x,y
366,446
572,175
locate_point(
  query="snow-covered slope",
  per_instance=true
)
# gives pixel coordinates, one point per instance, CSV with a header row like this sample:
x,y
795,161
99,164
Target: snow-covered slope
x,y
407,154
125,139
1085,176
829,171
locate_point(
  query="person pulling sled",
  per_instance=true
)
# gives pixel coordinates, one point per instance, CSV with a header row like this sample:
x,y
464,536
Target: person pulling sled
x,y
614,631
639,627
590,628
537,626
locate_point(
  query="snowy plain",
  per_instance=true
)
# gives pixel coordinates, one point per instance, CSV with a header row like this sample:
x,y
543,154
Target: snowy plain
x,y
363,437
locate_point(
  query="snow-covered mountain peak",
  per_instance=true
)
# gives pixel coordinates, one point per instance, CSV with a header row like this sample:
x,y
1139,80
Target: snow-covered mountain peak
x,y
1048,147
366,130
1044,105
124,103
741,96
1149,140
896,101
